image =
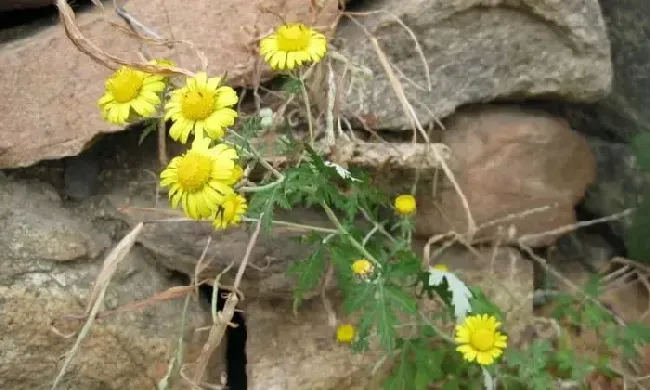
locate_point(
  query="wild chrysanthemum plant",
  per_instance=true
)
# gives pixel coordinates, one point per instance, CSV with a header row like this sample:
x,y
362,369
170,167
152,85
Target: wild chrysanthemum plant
x,y
383,282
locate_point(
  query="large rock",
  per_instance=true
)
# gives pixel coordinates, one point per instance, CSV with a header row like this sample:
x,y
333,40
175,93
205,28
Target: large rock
x,y
624,112
49,262
508,161
476,51
49,105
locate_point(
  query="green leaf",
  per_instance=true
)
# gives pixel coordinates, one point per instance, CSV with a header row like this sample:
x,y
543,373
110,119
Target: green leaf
x,y
636,239
592,287
481,304
150,127
404,372
309,272
593,316
262,204
451,384
386,319
399,299
356,298
641,149
292,85
428,364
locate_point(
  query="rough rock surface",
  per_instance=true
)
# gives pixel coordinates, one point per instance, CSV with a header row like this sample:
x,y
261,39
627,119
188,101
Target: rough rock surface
x,y
475,51
508,161
287,352
49,262
624,112
44,71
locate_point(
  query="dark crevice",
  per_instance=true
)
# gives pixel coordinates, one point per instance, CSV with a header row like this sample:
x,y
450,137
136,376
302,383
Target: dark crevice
x,y
237,378
603,230
48,14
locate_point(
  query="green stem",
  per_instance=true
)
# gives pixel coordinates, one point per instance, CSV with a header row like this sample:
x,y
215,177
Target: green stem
x,y
332,216
264,187
298,226
259,157
305,97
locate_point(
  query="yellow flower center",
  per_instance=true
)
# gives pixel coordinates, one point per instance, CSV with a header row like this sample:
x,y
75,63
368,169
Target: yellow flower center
x,y
482,340
194,171
125,85
197,105
405,204
345,333
361,267
293,37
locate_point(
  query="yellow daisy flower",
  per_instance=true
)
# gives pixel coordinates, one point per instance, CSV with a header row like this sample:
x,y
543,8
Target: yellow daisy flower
x,y
197,179
230,211
345,333
130,89
362,267
405,204
479,339
202,105
292,45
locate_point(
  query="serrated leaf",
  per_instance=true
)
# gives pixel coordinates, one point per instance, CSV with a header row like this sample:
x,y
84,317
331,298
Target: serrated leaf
x,y
398,298
292,85
148,129
356,298
429,363
386,319
641,149
309,272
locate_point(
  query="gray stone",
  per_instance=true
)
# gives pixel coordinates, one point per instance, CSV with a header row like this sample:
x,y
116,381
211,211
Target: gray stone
x,y
49,261
36,228
476,51
624,112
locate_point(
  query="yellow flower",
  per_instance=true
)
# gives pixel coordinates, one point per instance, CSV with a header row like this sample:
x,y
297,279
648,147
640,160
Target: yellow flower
x,y
230,211
362,267
237,174
202,105
441,267
130,89
479,339
405,204
197,179
345,333
292,45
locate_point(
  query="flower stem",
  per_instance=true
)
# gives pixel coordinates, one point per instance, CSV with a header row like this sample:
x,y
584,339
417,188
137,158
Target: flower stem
x,y
264,187
298,226
332,216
